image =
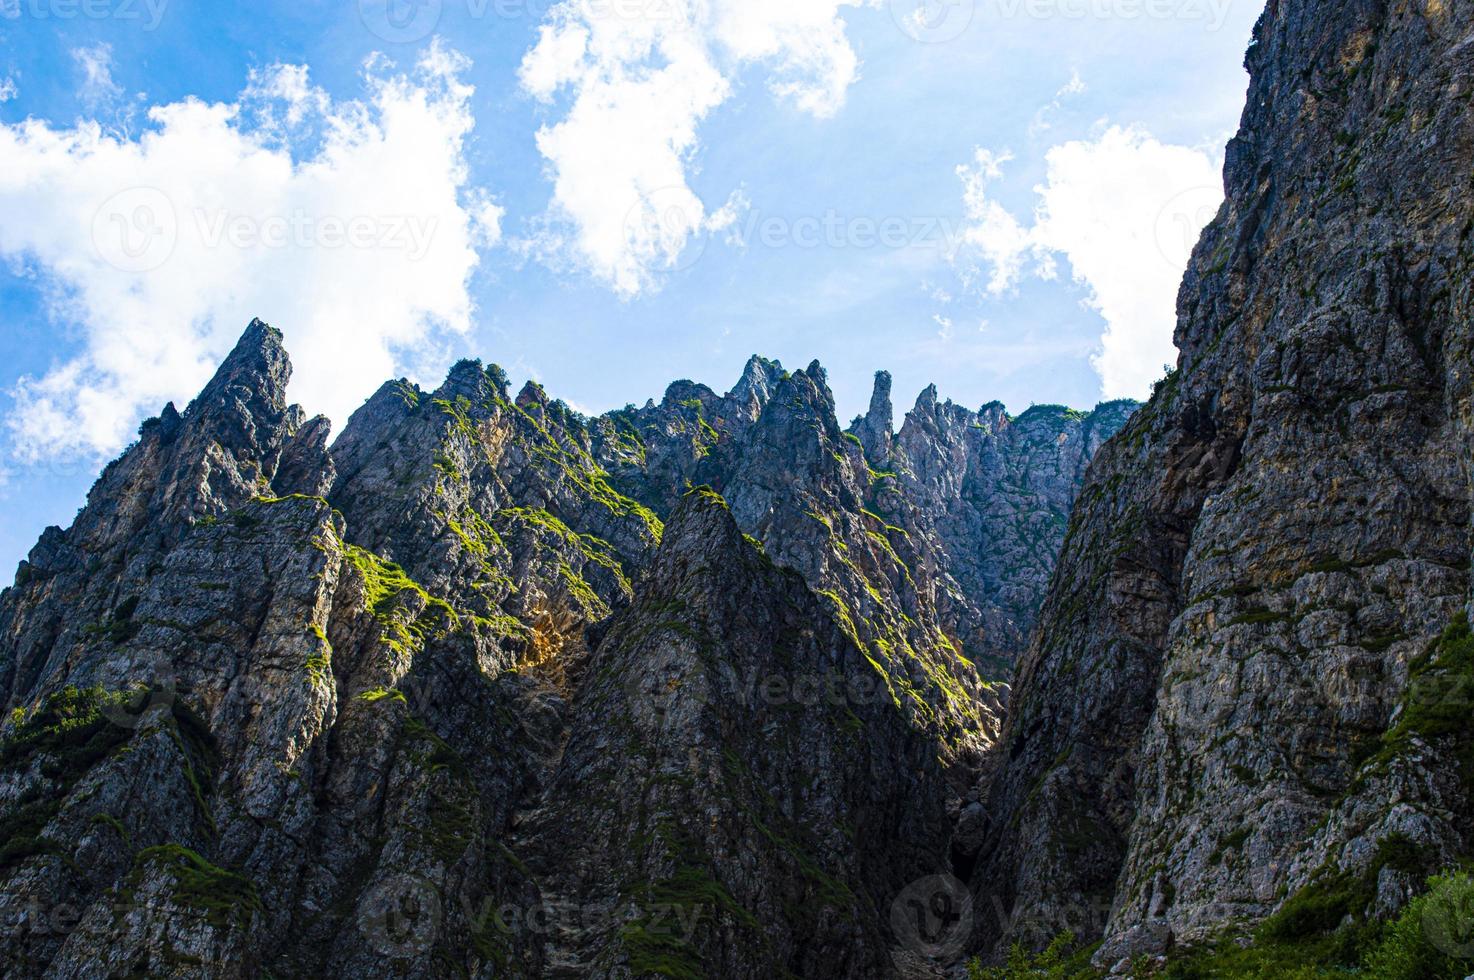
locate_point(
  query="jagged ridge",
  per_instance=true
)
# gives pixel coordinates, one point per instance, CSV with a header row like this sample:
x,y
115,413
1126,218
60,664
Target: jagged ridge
x,y
286,709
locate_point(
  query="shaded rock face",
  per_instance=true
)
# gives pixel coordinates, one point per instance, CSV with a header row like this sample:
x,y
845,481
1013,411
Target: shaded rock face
x,y
450,697
1229,693
739,796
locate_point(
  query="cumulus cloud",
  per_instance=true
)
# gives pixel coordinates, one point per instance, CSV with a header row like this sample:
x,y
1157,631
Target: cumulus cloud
x,y
1124,210
640,78
348,224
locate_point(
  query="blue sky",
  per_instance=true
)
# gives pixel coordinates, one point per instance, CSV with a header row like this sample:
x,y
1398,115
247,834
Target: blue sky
x,y
997,198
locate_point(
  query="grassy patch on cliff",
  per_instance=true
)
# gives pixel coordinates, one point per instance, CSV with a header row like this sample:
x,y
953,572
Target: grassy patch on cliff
x,y
66,737
384,583
225,898
1439,701
1061,960
1322,932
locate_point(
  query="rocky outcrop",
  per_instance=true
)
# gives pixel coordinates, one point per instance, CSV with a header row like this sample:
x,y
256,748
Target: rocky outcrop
x,y
1231,696
224,450
993,493
653,453
984,495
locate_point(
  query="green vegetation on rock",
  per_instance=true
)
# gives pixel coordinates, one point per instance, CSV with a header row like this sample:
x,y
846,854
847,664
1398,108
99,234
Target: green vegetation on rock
x,y
226,898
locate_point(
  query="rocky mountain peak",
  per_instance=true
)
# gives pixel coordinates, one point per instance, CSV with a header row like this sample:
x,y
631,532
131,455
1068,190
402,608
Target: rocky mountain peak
x,y
701,527
759,377
811,386
256,373
926,402
531,394
684,393
713,688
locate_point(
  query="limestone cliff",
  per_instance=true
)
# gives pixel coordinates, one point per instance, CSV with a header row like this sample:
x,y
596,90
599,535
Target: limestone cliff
x,y
1233,700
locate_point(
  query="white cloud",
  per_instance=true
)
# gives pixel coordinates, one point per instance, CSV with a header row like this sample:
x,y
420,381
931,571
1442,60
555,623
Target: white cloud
x,y
158,250
8,90
991,231
641,77
95,65
1124,210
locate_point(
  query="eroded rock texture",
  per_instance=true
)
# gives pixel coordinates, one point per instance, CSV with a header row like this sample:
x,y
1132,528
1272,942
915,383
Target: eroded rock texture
x,y
491,689
1235,689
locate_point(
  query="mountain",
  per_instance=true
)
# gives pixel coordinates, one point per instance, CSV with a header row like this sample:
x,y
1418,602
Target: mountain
x,y
486,687
718,687
1248,698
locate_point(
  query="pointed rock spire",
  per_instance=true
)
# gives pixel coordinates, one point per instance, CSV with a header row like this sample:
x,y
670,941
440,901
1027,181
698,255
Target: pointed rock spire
x,y
699,530
255,374
874,429
819,380
306,465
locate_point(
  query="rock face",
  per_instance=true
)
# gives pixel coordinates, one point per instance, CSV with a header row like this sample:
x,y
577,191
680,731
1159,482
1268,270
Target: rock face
x,y
985,497
739,796
994,495
451,697
1238,689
